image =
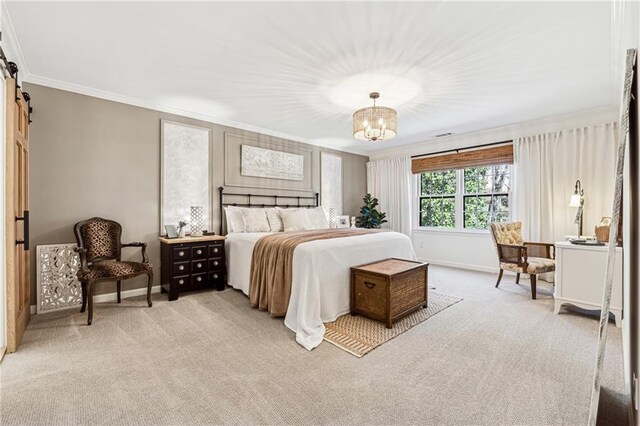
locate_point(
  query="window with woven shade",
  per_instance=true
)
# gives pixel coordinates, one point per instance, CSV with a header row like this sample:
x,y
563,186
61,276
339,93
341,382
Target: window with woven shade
x,y
464,190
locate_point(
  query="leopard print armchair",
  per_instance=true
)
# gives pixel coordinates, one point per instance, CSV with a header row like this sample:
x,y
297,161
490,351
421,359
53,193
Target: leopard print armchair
x,y
100,249
516,255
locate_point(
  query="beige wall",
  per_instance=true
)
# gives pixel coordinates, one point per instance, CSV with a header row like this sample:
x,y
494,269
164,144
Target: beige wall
x,y
91,157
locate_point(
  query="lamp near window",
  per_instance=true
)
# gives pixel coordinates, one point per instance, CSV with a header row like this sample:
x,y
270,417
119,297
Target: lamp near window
x,y
577,200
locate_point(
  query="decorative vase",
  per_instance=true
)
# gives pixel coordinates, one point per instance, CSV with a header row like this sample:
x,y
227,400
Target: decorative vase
x,y
181,232
197,213
353,222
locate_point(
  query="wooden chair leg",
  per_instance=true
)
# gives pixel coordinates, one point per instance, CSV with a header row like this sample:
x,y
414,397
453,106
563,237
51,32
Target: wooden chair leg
x,y
119,286
84,296
518,278
149,284
90,297
499,277
533,285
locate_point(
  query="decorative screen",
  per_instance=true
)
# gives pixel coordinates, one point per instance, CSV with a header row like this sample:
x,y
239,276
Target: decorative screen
x,y
58,286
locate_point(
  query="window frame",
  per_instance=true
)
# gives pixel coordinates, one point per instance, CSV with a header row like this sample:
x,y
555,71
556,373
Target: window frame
x,y
453,196
459,204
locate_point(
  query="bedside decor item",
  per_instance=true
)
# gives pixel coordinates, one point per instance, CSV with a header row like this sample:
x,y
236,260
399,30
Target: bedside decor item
x,y
577,200
192,264
342,222
172,231
267,163
370,217
197,213
353,222
58,285
181,230
100,250
603,229
374,123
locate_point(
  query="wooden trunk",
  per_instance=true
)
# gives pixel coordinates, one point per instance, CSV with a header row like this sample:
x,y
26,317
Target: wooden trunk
x,y
389,289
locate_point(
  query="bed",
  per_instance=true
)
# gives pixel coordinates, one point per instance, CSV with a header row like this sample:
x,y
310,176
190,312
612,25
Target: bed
x,y
320,287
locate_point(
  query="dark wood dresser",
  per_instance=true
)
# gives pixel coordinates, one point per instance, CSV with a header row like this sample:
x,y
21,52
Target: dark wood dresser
x,y
389,289
192,264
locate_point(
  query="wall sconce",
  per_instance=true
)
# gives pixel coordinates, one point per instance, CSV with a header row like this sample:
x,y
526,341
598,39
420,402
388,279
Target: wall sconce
x,y
577,200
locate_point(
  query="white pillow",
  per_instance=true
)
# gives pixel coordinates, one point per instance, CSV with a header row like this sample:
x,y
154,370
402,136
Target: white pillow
x,y
234,219
275,221
295,220
255,220
318,218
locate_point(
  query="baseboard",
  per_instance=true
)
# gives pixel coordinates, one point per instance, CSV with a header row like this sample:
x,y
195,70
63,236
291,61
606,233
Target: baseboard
x,y
112,297
457,265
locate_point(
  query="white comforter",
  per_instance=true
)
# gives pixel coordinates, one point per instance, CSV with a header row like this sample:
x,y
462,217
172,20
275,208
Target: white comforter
x,y
321,275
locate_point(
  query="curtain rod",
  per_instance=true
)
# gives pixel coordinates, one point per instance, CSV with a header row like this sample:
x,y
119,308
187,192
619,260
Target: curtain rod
x,y
457,150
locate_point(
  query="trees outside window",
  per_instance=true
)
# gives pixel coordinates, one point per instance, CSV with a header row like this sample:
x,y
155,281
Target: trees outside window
x,y
466,198
438,199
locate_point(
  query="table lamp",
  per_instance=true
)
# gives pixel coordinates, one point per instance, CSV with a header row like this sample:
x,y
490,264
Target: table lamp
x,y
577,200
197,219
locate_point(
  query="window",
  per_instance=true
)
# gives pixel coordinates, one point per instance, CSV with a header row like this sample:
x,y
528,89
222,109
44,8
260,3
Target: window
x,y
486,196
468,198
438,199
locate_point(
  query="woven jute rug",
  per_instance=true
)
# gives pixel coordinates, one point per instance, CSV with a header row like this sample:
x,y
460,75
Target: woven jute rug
x,y
359,335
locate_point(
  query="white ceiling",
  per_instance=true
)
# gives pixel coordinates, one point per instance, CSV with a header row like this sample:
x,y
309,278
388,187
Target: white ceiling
x,y
300,69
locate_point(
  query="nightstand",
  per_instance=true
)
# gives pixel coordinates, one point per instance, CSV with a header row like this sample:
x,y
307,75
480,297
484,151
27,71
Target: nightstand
x,y
192,263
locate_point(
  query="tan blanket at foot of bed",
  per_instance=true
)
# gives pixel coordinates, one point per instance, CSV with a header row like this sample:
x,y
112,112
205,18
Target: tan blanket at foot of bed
x,y
272,266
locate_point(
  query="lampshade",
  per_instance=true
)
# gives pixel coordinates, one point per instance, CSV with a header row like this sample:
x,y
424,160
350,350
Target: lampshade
x,y
575,200
197,216
375,123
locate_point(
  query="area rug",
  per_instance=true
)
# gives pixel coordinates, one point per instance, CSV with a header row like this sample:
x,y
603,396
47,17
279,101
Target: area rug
x,y
359,335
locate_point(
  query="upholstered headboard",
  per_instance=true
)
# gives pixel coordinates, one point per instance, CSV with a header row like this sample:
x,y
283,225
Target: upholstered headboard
x,y
262,201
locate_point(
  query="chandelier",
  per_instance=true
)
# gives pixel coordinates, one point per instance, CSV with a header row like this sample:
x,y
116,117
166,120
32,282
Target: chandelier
x,y
374,123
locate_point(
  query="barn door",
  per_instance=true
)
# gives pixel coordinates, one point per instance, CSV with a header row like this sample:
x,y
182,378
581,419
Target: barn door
x,y
17,215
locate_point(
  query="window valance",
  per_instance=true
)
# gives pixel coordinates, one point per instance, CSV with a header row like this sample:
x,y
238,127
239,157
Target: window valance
x,y
502,154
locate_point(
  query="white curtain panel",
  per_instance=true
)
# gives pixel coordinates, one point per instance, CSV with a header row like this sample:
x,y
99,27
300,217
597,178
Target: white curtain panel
x,y
389,180
546,168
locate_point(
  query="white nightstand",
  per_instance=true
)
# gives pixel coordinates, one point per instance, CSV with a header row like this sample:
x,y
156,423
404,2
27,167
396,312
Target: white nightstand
x,y
579,278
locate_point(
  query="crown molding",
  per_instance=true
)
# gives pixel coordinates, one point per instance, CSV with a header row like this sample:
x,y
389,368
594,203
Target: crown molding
x,y
14,53
116,97
10,43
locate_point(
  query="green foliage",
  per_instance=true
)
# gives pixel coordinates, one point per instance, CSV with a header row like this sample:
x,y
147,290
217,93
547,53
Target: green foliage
x,y
485,198
438,183
370,216
438,212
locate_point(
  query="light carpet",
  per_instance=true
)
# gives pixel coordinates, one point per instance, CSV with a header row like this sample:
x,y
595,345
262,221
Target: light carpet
x,y
359,335
498,358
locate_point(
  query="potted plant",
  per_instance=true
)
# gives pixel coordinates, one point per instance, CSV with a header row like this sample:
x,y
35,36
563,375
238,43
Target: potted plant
x,y
370,217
